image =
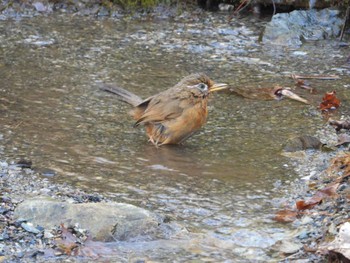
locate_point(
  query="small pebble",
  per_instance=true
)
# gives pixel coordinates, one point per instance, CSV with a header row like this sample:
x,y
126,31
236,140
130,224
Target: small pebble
x,y
30,228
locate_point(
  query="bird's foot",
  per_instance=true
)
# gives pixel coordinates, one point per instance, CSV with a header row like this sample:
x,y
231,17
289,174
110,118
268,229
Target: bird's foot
x,y
155,143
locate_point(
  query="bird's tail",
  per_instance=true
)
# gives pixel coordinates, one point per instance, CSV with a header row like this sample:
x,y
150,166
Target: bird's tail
x,y
123,94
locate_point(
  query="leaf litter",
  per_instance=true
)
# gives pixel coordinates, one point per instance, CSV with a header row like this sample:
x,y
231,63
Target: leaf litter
x,y
70,242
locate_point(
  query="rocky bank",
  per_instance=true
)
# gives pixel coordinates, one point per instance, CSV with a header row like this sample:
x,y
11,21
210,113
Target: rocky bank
x,y
42,221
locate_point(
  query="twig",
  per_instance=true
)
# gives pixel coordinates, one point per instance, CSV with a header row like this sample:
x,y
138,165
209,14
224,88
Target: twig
x,y
347,14
274,7
324,77
304,85
17,125
239,8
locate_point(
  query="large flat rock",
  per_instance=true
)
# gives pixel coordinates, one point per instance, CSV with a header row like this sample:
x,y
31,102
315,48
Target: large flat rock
x,y
290,29
104,221
296,3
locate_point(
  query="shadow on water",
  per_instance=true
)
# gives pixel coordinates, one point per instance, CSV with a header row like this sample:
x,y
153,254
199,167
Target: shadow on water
x,y
220,183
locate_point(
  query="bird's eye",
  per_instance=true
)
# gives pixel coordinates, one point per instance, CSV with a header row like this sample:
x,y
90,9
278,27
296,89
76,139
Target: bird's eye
x,y
202,86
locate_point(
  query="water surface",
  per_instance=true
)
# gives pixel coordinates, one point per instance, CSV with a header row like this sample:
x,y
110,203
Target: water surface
x,y
220,184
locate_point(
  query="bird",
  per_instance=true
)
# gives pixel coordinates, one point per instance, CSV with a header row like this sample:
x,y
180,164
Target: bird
x,y
266,93
173,115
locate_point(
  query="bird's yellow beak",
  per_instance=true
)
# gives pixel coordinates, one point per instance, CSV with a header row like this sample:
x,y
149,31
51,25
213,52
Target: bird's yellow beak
x,y
218,86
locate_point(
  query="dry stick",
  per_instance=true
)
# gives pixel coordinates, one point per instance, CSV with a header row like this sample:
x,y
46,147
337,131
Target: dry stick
x,y
344,25
324,77
239,8
244,7
17,125
274,7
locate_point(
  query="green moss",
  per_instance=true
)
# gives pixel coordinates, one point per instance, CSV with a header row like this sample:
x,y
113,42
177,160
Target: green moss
x,y
340,3
148,4
133,4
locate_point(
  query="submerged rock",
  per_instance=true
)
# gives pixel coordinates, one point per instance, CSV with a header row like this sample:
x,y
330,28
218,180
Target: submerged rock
x,y
287,247
302,143
104,221
290,29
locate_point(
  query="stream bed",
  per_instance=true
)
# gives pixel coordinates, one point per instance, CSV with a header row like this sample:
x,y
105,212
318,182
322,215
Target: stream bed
x,y
220,185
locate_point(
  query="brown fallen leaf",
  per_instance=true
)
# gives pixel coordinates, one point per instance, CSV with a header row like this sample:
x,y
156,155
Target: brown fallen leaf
x,y
71,245
302,205
340,163
96,249
328,191
303,84
67,243
285,216
329,101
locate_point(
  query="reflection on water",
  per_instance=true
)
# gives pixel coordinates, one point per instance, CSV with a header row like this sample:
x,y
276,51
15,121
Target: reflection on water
x,y
219,184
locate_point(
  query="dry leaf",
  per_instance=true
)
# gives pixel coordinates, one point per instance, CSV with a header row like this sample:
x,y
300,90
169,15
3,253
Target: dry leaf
x,y
70,245
285,216
329,101
328,191
340,163
67,243
304,84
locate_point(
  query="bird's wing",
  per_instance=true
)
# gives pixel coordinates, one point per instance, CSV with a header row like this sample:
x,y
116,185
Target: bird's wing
x,y
160,109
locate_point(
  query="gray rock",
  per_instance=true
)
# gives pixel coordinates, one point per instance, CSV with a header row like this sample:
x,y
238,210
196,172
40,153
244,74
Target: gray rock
x,y
289,29
103,11
287,247
306,220
226,7
47,234
30,228
104,221
4,164
48,172
341,243
39,7
301,143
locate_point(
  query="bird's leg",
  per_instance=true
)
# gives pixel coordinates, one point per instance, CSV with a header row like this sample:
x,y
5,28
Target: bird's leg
x,y
150,139
155,143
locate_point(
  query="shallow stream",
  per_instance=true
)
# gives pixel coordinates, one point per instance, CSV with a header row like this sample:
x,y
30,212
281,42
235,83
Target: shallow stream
x,y
220,184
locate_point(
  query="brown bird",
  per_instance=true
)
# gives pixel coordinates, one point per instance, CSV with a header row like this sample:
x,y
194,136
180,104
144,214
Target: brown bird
x,y
172,116
267,93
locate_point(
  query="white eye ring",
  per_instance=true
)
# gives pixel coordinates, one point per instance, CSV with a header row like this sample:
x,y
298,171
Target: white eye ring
x,y
201,86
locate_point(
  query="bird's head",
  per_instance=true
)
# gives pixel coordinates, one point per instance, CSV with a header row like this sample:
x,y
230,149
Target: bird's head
x,y
200,85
